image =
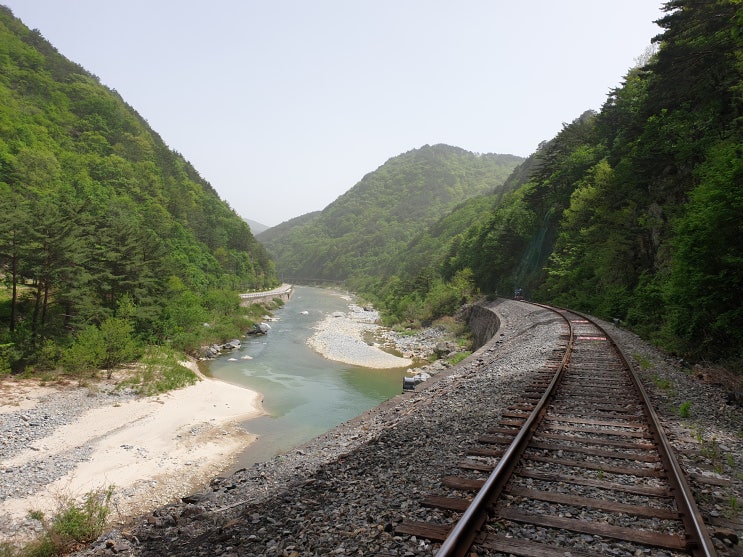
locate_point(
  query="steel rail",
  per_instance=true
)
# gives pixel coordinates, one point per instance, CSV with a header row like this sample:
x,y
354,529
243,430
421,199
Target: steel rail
x,y
464,532
701,543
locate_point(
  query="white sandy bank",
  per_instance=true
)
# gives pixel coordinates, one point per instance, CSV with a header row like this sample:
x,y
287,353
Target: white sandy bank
x,y
341,337
152,450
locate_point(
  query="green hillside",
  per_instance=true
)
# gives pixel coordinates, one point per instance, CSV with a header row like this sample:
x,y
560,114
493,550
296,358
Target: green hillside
x,y
100,215
366,231
634,212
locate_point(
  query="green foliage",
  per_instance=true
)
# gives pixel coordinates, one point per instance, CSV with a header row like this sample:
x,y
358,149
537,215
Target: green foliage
x,y
643,361
159,370
118,344
705,287
99,212
638,206
662,383
106,347
190,321
685,409
458,357
86,354
632,212
5,358
365,234
629,213
74,523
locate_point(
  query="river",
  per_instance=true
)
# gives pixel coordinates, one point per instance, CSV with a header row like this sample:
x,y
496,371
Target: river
x,y
304,394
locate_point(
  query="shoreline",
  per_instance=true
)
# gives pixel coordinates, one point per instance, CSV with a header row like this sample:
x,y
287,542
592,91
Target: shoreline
x,y
340,337
152,450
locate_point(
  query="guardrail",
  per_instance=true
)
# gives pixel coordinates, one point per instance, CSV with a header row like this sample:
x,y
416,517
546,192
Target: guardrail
x,y
284,292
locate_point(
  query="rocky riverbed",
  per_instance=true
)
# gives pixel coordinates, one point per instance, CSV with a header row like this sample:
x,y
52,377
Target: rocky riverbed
x,y
24,422
344,492
343,337
59,442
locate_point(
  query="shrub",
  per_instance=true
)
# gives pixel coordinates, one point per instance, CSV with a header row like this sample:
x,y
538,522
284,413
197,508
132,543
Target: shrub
x,y
458,357
75,523
160,370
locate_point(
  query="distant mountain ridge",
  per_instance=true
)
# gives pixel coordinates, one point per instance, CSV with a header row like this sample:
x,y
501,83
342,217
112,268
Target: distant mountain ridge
x,y
366,228
255,226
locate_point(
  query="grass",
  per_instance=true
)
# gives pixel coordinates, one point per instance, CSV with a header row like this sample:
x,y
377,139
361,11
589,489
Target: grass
x,y
711,450
73,524
642,361
159,371
685,409
663,384
8,550
733,507
405,331
458,357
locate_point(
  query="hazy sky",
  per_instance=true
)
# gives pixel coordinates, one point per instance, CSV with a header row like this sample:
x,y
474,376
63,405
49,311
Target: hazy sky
x,y
284,105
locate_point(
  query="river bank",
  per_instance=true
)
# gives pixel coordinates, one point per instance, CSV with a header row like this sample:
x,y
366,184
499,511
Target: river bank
x,y
344,492
342,337
60,441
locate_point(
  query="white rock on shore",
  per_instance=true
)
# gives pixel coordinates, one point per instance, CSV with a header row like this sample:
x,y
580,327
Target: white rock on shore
x,y
340,337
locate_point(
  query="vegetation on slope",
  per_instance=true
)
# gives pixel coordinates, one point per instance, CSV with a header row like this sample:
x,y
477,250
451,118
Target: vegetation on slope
x,y
630,213
104,228
634,212
366,231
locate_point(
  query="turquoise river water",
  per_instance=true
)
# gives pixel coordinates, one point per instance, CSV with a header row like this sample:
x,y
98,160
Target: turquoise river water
x,y
304,394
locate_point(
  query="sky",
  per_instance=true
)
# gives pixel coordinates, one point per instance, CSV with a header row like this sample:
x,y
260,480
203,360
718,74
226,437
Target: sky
x,y
284,105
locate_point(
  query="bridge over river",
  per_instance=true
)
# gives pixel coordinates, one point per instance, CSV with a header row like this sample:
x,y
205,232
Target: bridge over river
x,y
283,292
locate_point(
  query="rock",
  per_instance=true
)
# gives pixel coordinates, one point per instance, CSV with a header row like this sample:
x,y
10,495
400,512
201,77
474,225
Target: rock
x,y
442,348
196,497
192,510
726,534
348,488
259,329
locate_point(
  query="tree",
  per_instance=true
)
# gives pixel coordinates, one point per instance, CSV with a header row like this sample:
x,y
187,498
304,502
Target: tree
x,y
13,237
705,291
53,256
85,354
118,344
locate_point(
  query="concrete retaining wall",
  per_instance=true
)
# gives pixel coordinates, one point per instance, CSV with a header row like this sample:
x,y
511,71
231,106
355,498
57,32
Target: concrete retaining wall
x,y
482,321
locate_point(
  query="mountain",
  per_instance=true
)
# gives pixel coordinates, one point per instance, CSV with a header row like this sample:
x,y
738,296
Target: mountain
x,y
634,212
365,230
256,227
280,230
100,217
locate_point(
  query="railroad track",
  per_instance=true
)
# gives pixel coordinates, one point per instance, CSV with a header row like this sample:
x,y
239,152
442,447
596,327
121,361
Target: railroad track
x,y
580,465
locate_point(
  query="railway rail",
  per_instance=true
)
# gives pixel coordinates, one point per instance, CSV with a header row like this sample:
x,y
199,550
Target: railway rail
x,y
579,463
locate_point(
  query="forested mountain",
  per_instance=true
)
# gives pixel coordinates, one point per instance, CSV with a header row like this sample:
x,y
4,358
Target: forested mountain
x,y
280,230
98,214
633,212
366,231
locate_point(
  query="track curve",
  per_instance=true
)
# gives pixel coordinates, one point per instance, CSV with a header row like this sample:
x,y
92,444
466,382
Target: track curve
x,y
580,458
